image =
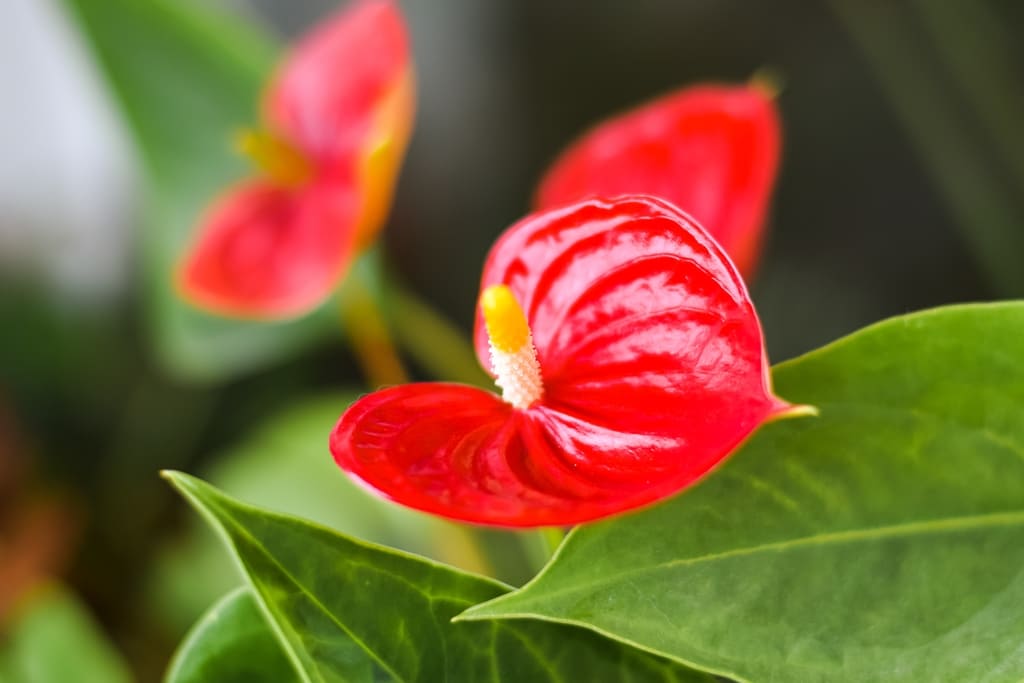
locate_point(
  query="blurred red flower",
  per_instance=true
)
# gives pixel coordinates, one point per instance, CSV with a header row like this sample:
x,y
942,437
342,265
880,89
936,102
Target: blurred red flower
x,y
711,150
631,362
337,117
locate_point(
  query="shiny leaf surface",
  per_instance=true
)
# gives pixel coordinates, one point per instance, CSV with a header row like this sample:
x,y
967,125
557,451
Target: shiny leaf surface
x,y
346,610
712,150
231,644
652,365
881,541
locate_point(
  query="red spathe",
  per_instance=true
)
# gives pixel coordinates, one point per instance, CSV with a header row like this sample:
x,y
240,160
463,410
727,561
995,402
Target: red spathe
x,y
712,150
338,114
653,367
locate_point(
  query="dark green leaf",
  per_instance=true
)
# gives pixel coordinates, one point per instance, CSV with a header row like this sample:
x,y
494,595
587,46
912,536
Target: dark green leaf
x,y
351,611
881,541
53,638
232,643
187,78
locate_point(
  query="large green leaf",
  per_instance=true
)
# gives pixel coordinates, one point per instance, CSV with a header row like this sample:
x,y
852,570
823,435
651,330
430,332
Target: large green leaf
x,y
881,541
231,644
187,78
346,610
53,638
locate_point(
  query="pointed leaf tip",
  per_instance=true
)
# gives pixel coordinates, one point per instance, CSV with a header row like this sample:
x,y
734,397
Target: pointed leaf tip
x,y
335,605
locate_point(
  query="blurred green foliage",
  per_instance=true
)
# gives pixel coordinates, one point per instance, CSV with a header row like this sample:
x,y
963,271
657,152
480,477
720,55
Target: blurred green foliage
x,y
901,189
53,638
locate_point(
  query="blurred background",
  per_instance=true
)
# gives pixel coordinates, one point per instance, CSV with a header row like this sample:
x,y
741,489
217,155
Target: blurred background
x,y
902,187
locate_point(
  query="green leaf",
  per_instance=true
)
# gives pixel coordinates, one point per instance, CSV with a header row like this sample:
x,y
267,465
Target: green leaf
x,y
53,638
285,465
232,643
187,78
881,541
351,611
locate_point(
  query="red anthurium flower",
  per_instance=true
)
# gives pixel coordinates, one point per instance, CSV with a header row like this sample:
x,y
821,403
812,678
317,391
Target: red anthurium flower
x,y
711,150
630,360
337,117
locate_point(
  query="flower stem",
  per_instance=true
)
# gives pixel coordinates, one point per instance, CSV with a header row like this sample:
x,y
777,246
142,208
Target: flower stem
x,y
553,537
432,341
366,327
539,546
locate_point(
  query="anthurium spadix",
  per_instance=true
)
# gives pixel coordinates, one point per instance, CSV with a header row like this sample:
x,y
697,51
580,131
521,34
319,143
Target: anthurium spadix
x,y
712,150
630,362
336,120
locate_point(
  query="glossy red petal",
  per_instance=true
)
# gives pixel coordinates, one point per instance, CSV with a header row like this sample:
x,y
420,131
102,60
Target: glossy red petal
x,y
551,259
464,454
265,252
713,151
653,369
650,350
327,95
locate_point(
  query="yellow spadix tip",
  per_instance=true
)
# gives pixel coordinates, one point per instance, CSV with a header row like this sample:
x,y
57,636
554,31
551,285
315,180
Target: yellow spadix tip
x,y
274,156
503,316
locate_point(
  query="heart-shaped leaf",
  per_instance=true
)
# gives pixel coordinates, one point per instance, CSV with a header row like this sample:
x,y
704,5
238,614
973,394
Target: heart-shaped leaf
x,y
347,610
882,541
232,642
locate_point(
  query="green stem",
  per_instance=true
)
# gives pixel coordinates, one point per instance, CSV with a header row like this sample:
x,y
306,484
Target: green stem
x,y
553,537
539,546
364,323
434,342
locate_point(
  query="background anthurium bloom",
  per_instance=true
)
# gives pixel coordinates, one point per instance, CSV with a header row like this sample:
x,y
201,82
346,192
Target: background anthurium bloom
x,y
651,362
337,119
711,150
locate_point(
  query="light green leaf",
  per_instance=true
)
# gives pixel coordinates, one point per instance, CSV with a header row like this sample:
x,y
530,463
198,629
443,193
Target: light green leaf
x,y
53,638
187,77
881,541
347,610
231,644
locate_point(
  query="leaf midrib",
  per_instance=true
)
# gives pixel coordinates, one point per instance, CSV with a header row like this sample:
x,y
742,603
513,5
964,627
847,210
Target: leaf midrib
x,y
930,526
370,651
